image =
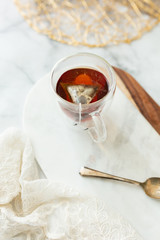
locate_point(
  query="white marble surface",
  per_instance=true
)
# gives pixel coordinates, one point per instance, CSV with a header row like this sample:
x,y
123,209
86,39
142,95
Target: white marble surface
x,y
25,56
131,150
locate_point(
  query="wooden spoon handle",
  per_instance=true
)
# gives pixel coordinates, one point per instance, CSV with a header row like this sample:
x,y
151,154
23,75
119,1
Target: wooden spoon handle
x,y
133,90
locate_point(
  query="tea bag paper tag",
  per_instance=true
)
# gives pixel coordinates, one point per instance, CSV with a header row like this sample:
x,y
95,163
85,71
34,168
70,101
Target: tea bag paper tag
x,y
81,93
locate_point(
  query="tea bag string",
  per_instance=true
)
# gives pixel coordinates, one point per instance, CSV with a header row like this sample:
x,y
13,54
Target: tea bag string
x,y
79,112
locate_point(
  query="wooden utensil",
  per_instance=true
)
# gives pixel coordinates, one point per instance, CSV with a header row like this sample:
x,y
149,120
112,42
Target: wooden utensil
x,y
139,97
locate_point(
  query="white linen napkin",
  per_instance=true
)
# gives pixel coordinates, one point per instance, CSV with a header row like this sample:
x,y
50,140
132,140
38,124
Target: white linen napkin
x,y
26,202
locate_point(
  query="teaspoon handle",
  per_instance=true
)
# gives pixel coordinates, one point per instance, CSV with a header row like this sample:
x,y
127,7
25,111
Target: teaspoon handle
x,y
89,172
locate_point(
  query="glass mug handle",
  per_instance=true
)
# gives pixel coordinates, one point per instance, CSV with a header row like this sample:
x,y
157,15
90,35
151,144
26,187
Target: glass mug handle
x,y
96,128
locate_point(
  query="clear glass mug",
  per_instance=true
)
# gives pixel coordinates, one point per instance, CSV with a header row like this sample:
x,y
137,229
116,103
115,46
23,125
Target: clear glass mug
x,y
86,116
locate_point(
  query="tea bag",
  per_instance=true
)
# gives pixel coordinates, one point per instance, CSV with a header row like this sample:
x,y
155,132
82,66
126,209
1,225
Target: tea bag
x,y
82,93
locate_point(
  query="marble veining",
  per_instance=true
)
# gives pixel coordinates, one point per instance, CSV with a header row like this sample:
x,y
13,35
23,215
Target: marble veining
x,y
26,56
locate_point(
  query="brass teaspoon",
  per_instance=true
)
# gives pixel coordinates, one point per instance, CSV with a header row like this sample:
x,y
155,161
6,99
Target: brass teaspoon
x,y
151,186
